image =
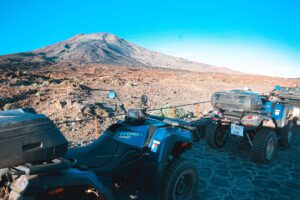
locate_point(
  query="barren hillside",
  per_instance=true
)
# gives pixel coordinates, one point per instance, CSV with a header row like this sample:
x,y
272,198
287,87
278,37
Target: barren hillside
x,y
102,48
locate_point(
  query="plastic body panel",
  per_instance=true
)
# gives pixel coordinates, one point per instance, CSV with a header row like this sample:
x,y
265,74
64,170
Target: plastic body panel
x,y
27,137
278,111
268,106
115,153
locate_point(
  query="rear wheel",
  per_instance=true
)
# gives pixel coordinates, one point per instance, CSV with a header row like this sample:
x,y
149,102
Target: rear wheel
x,y
216,135
264,145
181,180
286,135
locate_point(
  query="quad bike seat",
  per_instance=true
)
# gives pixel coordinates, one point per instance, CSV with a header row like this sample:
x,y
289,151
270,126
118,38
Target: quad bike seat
x,y
108,155
96,154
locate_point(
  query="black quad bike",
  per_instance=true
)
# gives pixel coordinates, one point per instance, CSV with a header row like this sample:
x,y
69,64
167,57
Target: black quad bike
x,y
262,121
136,158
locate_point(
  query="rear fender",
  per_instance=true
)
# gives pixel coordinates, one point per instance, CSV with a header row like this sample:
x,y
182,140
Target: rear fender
x,y
256,120
28,186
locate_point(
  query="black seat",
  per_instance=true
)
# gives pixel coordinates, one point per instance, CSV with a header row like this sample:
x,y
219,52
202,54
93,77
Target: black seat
x,y
96,154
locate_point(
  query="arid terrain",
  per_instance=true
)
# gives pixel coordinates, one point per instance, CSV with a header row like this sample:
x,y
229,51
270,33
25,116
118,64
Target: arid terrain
x,y
73,95
69,82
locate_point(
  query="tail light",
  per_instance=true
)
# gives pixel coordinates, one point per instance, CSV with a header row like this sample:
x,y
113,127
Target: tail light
x,y
217,112
252,117
56,191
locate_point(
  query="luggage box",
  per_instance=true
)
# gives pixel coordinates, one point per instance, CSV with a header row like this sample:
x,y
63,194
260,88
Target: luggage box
x,y
289,93
236,100
27,137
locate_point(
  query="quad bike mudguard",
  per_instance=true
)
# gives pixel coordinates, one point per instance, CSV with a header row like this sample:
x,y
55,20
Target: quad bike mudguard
x,y
28,186
255,120
169,140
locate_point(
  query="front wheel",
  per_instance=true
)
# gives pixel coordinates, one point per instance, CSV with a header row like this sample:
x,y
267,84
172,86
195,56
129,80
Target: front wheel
x,y
264,145
180,181
286,135
216,135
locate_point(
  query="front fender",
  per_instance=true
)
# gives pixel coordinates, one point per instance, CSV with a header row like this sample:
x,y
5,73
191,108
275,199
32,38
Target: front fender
x,y
167,138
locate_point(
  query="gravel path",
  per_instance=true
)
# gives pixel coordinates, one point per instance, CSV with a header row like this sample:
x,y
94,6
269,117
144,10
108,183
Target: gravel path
x,y
229,173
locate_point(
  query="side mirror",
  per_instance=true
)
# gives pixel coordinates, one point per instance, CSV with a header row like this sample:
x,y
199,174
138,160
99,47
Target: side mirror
x,y
112,94
144,99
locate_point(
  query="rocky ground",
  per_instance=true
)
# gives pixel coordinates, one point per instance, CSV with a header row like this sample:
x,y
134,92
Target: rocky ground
x,y
72,96
229,173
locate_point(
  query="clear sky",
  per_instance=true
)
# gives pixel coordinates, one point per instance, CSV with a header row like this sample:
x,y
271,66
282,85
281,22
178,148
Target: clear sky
x,y
256,36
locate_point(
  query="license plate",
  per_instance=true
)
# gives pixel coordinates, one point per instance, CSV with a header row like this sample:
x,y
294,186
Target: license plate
x,y
237,130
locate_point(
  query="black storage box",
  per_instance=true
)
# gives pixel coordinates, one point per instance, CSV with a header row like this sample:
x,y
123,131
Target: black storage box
x,y
236,100
289,93
27,137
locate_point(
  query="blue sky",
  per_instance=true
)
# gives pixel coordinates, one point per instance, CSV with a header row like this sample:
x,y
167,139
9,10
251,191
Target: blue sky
x,y
247,35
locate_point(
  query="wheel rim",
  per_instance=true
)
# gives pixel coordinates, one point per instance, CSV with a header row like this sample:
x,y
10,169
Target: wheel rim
x,y
183,186
270,148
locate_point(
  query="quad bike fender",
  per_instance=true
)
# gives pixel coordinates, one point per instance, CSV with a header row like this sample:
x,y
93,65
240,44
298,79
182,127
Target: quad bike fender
x,y
256,120
283,115
172,144
28,186
169,144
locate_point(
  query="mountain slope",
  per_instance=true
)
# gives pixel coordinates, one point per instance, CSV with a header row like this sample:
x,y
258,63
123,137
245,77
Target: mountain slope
x,y
104,48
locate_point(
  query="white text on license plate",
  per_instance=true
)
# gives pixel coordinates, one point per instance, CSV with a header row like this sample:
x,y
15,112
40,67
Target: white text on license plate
x,y
237,130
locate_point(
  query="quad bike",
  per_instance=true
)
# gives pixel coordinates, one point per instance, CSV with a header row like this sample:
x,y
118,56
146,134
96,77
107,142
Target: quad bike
x,y
289,96
136,158
263,121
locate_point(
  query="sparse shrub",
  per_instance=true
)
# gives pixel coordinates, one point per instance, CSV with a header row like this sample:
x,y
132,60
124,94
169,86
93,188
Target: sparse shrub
x,y
67,46
166,111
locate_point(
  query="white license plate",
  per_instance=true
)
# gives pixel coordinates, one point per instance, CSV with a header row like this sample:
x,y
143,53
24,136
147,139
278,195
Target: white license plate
x,y
237,130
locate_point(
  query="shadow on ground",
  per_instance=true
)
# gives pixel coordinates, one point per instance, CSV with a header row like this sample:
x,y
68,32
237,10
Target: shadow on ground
x,y
229,173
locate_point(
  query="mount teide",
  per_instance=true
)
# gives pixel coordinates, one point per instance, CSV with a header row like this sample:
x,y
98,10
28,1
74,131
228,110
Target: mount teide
x,y
103,48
